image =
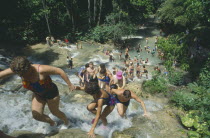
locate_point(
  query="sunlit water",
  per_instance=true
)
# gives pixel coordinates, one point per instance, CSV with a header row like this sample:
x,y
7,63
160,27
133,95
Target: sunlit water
x,y
16,107
16,115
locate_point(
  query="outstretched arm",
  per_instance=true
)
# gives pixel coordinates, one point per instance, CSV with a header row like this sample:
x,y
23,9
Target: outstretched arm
x,y
124,81
50,70
98,114
135,97
6,73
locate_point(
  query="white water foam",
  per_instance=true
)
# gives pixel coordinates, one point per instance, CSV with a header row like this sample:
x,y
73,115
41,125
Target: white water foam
x,y
16,115
70,47
130,37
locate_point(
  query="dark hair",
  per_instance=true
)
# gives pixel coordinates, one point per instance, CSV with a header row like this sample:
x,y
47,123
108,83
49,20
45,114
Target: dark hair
x,y
87,65
103,68
91,63
113,86
114,72
127,94
20,64
92,88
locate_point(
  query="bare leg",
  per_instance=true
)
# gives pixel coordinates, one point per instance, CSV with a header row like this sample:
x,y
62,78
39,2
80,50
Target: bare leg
x,y
53,105
121,109
92,107
105,113
37,106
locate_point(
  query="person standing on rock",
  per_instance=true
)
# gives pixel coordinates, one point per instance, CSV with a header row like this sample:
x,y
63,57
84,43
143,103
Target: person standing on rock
x,y
91,73
71,63
36,77
122,99
48,41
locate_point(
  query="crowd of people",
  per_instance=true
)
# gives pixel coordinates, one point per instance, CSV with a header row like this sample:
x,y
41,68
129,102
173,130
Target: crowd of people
x,y
50,41
106,87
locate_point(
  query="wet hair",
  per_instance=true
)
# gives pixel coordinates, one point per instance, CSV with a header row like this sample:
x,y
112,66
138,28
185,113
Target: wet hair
x,y
127,94
92,88
114,72
113,86
87,65
103,68
20,64
91,63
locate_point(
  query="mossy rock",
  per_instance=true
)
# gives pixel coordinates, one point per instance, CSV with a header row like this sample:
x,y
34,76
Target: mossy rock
x,y
187,121
193,134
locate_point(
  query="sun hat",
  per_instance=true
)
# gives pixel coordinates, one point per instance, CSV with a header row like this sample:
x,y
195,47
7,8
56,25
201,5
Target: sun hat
x,y
119,75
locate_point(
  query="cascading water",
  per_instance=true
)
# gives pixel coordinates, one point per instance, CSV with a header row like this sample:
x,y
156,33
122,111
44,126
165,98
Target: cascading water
x,y
16,110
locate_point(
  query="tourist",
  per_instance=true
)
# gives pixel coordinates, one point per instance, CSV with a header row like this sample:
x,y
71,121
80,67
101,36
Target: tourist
x,y
131,70
91,73
123,100
48,41
104,77
120,56
147,40
145,71
119,80
101,97
138,70
36,77
71,63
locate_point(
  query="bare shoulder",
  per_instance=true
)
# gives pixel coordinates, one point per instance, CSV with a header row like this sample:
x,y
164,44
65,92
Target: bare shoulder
x,y
45,68
104,94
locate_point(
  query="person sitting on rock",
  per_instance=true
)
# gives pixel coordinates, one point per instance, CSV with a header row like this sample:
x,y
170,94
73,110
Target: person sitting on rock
x,y
123,99
36,77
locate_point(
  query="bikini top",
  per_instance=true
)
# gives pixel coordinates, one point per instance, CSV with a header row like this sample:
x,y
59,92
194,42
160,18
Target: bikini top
x,y
40,86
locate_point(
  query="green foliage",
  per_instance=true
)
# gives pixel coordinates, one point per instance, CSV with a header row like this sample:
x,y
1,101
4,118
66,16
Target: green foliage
x,y
194,99
116,26
185,12
156,85
194,119
176,77
185,99
204,76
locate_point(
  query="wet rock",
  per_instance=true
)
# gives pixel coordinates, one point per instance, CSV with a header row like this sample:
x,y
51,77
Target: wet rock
x,y
27,134
71,133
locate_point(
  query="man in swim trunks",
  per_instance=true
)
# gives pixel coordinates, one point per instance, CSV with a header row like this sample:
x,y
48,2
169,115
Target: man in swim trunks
x,y
91,73
138,70
131,69
123,99
36,78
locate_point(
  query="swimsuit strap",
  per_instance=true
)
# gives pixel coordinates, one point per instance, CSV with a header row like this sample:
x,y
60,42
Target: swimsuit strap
x,y
38,71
